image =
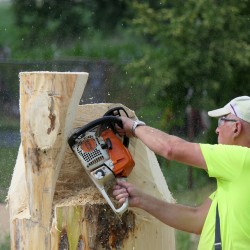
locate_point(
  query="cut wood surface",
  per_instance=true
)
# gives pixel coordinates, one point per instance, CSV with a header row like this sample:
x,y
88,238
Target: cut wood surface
x,y
78,204
48,104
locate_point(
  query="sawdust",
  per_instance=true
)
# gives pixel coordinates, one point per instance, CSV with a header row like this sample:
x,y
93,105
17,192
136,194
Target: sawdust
x,y
89,195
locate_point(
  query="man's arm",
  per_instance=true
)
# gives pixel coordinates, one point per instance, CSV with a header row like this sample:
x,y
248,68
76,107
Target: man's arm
x,y
185,218
169,146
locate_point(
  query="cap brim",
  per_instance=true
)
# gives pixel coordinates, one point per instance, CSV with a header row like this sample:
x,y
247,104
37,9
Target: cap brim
x,y
219,112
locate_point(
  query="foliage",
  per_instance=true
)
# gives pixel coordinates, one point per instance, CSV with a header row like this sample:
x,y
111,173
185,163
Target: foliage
x,y
197,53
191,52
62,22
8,32
44,30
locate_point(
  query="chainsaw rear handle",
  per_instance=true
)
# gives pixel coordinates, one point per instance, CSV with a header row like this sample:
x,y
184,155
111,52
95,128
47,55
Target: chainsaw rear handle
x,y
120,210
105,120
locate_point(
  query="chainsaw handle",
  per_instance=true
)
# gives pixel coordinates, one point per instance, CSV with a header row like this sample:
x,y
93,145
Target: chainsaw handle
x,y
107,120
116,112
119,210
124,206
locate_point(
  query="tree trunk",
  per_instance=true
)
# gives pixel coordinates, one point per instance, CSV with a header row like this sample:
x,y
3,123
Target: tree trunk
x,y
48,103
83,219
52,202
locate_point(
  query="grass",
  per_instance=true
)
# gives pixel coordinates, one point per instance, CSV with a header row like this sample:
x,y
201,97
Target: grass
x,y
5,245
177,179
192,197
8,157
9,123
7,161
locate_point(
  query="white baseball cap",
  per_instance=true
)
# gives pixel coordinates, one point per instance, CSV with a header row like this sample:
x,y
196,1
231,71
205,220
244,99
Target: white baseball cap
x,y
239,106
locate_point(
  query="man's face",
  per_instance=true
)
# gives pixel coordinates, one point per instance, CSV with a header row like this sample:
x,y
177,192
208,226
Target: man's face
x,y
225,129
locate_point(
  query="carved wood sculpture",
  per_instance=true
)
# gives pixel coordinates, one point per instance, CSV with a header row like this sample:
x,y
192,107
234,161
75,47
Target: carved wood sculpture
x,y
52,202
48,104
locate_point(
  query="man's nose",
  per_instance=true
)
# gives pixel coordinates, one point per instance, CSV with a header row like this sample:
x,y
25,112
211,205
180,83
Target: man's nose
x,y
217,130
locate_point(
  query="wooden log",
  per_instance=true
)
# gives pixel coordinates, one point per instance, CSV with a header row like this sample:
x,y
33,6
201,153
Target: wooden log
x,y
48,103
52,202
83,220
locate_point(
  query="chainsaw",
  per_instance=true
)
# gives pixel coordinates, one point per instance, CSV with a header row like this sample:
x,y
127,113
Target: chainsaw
x,y
104,154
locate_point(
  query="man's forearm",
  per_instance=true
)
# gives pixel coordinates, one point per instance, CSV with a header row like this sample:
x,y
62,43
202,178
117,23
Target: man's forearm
x,y
181,217
171,147
156,140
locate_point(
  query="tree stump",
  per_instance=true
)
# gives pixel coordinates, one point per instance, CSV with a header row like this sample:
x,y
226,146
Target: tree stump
x,y
52,202
83,220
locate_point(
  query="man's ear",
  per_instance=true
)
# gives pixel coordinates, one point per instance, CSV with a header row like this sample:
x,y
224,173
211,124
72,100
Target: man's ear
x,y
237,129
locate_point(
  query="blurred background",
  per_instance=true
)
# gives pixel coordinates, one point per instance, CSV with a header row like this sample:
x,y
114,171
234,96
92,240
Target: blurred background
x,y
170,61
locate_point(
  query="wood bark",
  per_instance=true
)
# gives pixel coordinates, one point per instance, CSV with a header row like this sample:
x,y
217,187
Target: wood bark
x,y
52,202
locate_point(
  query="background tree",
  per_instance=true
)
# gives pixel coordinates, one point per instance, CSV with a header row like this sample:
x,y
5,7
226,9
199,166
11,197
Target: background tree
x,y
62,22
198,53
184,52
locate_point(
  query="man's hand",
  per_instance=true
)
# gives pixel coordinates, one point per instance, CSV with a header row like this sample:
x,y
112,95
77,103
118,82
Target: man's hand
x,y
127,126
123,190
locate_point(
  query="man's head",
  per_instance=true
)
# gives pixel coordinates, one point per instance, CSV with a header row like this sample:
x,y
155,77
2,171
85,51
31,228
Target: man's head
x,y
234,122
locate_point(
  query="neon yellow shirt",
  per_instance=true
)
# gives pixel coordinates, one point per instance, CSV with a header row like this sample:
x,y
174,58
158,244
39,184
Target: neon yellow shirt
x,y
230,165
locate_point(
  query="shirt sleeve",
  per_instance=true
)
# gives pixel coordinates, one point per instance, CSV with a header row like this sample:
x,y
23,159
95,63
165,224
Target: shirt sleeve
x,y
224,161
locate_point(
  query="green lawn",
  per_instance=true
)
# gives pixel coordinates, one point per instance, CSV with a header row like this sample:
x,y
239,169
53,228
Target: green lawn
x,y
5,245
7,162
177,176
8,123
194,197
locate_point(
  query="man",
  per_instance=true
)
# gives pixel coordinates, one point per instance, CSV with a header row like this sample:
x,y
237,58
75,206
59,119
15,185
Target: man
x,y
228,161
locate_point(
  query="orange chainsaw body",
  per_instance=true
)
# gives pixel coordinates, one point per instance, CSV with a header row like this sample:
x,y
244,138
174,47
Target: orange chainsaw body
x,y
119,155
